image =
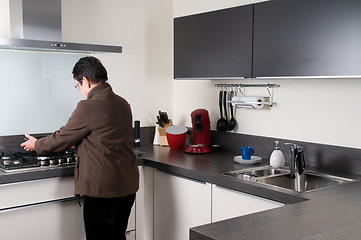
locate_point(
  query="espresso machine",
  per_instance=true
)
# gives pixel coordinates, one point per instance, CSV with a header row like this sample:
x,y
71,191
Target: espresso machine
x,y
201,132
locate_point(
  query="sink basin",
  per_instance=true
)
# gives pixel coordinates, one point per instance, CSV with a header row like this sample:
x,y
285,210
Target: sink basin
x,y
257,172
308,181
253,173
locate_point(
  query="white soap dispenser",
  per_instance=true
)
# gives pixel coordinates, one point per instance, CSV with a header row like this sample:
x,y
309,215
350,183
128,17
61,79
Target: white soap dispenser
x,y
277,158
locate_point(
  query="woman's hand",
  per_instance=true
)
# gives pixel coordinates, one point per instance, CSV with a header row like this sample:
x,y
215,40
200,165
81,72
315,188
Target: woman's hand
x,y
29,145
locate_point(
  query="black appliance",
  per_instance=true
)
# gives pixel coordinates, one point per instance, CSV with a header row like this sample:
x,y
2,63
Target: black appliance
x,y
31,161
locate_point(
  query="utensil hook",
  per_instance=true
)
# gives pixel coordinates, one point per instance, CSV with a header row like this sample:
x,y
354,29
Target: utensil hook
x,y
240,90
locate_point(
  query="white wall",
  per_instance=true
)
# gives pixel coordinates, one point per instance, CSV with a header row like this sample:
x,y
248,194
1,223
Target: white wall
x,y
315,110
312,110
143,72
4,18
187,7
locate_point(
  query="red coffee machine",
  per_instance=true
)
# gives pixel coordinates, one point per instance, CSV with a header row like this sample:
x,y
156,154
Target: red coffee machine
x,y
201,132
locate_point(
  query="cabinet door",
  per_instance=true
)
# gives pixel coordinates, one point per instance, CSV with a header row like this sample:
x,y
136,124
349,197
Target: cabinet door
x,y
37,191
215,44
307,38
130,235
144,205
26,210
179,204
56,221
131,220
227,203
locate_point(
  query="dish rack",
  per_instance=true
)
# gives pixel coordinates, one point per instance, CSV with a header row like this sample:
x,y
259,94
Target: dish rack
x,y
242,89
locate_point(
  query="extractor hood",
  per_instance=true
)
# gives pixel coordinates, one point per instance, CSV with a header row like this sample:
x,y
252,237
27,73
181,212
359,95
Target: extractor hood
x,y
35,25
55,46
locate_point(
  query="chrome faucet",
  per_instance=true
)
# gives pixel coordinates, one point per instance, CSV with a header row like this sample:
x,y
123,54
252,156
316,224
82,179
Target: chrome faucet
x,y
297,159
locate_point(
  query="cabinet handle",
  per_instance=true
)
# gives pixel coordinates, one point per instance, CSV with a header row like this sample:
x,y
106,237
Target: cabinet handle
x,y
184,177
228,189
37,204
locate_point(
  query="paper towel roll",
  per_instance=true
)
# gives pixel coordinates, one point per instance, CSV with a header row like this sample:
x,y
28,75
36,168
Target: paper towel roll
x,y
256,102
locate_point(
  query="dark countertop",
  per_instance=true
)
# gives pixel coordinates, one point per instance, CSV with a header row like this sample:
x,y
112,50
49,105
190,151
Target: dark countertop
x,y
332,213
206,167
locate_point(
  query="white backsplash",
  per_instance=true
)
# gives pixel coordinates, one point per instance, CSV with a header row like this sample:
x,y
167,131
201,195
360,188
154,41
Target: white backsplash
x,y
37,91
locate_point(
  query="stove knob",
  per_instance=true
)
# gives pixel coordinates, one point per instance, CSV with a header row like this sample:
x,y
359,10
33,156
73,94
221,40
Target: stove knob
x,y
17,162
52,161
60,161
43,163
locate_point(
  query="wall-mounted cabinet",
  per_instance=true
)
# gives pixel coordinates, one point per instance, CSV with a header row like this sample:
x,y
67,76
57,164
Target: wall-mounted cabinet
x,y
307,38
278,38
214,45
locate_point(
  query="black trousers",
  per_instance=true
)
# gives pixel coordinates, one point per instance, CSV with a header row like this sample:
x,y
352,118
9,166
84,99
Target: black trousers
x,y
107,218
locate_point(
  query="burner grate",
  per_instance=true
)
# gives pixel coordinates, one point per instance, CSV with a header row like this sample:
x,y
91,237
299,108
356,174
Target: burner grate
x,y
31,161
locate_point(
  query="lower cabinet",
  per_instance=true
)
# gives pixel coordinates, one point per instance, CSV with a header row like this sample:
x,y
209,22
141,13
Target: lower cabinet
x,y
47,216
167,206
130,235
179,204
227,203
144,205
32,192
56,221
131,221
44,209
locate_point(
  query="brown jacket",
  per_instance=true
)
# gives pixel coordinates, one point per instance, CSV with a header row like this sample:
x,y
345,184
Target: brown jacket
x,y
101,129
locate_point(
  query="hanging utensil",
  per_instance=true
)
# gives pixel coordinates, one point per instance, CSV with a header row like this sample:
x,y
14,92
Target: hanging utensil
x,y
221,123
232,122
225,107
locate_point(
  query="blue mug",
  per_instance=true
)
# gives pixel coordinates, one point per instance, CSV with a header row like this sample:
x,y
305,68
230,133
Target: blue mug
x,y
247,153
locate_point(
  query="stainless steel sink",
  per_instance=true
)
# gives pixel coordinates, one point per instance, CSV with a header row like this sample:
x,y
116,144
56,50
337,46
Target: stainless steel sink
x,y
257,172
308,181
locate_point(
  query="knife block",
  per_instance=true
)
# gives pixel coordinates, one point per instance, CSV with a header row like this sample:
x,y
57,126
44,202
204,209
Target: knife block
x,y
162,134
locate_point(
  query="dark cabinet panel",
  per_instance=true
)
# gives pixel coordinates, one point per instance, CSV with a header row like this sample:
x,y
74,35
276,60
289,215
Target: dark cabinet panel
x,y
214,44
307,38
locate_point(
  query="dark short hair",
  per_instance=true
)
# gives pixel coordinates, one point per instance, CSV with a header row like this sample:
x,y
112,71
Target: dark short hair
x,y
91,68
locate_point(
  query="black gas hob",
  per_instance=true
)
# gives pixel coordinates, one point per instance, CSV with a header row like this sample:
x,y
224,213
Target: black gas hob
x,y
31,161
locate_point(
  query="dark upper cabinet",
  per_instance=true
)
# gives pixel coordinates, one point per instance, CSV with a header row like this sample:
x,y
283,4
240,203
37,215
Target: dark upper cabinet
x,y
307,38
214,44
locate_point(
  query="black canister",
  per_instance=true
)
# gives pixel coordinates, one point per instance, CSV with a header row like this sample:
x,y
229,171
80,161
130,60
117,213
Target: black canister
x,y
136,133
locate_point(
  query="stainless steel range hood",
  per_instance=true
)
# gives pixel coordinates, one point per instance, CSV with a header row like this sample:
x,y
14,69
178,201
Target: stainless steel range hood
x,y
35,25
55,46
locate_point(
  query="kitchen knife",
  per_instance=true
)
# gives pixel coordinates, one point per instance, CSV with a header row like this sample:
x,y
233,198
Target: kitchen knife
x,y
160,123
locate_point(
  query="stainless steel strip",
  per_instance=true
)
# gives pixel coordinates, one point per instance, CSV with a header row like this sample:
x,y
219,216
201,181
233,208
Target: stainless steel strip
x,y
54,46
37,204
